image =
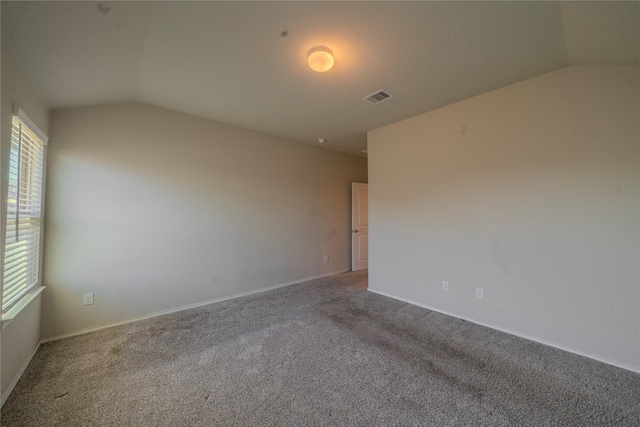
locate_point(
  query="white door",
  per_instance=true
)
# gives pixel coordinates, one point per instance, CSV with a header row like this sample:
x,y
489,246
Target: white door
x,y
359,226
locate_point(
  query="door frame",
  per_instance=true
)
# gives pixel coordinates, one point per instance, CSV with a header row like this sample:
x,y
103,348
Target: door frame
x,y
357,186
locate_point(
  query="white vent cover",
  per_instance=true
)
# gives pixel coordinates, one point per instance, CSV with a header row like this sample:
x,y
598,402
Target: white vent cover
x,y
378,97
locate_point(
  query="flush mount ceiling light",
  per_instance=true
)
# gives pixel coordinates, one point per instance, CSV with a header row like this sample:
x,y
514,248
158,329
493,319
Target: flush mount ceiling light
x,y
320,59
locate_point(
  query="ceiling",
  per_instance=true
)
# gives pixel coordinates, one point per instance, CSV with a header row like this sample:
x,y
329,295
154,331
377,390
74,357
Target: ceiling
x,y
244,63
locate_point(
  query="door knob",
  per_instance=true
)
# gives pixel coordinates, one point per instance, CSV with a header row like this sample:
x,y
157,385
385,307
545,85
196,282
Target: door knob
x,y
356,231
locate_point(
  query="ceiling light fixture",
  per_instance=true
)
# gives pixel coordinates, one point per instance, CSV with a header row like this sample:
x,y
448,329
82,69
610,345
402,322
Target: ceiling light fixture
x,y
320,59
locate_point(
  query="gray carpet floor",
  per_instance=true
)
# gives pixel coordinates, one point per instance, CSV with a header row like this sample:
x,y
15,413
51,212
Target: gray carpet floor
x,y
325,352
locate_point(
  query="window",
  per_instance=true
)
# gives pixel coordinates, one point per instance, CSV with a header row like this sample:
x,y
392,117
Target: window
x,y
24,212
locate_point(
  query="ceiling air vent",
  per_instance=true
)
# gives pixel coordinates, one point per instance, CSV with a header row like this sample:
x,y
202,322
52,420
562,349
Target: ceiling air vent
x,y
377,97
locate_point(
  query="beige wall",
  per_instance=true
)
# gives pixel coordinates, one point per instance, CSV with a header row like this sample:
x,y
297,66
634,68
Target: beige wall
x,y
531,192
152,210
19,338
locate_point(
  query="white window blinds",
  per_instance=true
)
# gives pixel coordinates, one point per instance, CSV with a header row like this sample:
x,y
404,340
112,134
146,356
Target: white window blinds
x,y
24,211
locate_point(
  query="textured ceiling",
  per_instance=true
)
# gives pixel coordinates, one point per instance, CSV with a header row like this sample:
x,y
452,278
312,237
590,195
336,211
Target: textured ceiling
x,y
229,61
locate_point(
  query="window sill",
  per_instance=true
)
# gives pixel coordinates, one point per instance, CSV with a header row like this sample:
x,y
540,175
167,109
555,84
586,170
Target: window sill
x,y
20,305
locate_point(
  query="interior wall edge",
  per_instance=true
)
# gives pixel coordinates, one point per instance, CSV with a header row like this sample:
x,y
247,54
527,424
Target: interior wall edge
x,y
534,338
186,307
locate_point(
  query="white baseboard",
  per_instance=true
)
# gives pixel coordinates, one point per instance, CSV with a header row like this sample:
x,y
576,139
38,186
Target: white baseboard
x,y
534,338
26,362
187,307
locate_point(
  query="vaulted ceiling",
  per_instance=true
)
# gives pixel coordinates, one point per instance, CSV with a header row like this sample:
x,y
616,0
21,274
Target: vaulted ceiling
x,y
244,63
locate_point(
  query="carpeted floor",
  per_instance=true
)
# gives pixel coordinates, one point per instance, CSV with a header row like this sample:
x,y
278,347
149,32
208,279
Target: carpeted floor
x,y
326,352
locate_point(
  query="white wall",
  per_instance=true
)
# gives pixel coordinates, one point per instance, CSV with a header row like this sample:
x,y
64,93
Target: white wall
x,y
152,209
531,192
19,339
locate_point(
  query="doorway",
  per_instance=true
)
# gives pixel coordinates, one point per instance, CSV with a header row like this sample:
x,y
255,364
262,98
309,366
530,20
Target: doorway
x,y
359,226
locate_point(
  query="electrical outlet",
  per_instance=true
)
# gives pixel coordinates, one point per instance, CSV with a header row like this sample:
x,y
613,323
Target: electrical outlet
x,y
480,293
445,285
87,299
326,258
